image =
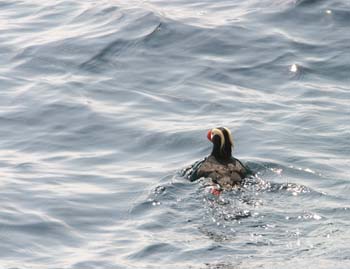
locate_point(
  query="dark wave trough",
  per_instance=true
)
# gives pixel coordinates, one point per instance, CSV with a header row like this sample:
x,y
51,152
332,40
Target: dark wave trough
x,y
102,104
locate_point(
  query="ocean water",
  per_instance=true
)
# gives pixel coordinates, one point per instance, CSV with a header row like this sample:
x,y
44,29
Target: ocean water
x,y
103,103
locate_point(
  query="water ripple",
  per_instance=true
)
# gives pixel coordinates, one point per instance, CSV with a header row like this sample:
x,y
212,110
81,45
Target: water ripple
x,y
103,103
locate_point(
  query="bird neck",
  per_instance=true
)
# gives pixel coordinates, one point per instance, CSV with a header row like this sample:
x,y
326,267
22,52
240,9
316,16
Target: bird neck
x,y
222,155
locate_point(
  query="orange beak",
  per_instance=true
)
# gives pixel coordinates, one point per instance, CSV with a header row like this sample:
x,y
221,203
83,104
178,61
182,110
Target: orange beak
x,y
209,135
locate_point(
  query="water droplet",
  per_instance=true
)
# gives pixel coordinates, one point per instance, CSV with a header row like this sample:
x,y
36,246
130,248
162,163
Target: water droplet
x,y
317,217
294,68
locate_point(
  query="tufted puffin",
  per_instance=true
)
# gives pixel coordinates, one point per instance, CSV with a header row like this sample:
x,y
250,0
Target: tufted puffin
x,y
220,166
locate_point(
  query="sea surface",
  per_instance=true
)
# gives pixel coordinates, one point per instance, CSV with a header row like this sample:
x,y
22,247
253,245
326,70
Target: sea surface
x,y
104,103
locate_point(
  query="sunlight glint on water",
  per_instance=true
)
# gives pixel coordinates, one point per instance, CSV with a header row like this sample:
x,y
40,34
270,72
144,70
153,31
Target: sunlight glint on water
x,y
102,104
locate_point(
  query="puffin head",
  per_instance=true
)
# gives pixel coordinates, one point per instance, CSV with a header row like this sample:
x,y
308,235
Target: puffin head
x,y
222,140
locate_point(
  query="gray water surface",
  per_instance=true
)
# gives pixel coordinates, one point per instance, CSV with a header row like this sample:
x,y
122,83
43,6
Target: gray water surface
x,y
103,103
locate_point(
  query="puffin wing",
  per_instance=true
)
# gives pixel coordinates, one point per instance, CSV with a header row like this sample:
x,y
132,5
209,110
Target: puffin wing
x,y
244,171
191,172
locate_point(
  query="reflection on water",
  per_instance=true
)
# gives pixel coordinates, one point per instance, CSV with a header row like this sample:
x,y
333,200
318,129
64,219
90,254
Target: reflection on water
x,y
102,104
